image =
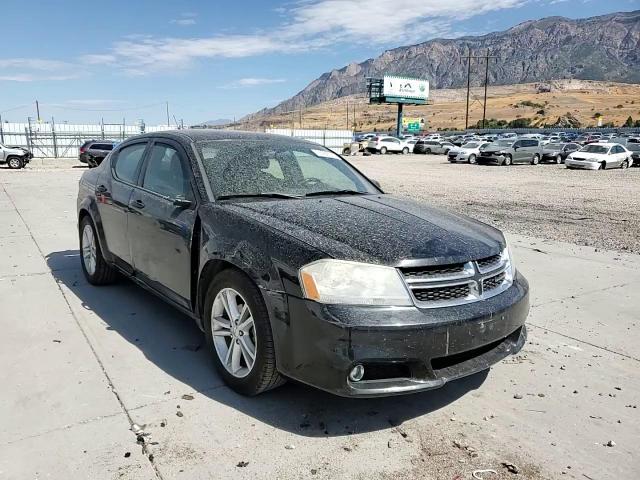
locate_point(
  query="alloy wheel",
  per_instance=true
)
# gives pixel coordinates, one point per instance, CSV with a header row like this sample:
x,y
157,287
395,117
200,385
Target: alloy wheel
x,y
234,332
89,249
559,159
14,163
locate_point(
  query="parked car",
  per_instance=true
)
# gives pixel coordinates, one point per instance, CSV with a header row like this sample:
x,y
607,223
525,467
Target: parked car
x,y
14,157
433,146
92,152
296,265
558,152
411,143
467,153
634,148
387,144
507,152
599,156
587,138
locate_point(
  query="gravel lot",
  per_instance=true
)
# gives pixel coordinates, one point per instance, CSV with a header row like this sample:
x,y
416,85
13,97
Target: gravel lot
x,y
594,208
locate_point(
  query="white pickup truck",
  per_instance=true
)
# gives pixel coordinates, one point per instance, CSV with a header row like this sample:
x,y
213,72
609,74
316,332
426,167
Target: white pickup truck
x,y
15,157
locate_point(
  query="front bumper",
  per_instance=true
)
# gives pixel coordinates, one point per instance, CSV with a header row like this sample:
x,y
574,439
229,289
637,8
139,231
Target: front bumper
x,y
582,164
493,158
403,349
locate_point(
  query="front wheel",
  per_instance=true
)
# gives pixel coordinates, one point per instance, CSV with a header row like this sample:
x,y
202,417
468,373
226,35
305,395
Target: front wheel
x,y
428,151
625,164
507,160
15,163
238,333
558,159
383,150
95,268
472,158
535,160
405,150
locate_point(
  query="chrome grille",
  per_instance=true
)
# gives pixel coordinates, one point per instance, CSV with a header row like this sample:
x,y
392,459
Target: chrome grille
x,y
493,282
454,284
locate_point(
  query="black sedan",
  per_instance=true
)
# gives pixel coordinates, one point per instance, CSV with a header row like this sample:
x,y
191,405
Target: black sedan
x,y
558,152
295,265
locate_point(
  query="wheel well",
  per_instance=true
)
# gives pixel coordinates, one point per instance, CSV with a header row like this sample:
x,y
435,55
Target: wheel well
x,y
211,269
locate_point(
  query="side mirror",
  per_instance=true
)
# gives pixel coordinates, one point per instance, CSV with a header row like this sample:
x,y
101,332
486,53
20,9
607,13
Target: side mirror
x,y
182,202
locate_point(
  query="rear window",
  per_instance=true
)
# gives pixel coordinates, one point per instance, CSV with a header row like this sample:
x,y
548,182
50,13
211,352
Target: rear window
x,y
102,146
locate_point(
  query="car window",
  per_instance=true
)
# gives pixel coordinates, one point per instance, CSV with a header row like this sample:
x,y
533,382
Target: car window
x,y
166,174
267,166
518,144
102,146
128,161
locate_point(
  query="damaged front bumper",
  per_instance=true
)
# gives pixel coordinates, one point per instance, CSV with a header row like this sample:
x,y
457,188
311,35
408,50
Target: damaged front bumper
x,y
402,349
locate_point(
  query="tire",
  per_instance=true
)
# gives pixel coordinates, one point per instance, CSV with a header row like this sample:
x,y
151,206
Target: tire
x,y
97,271
405,150
383,150
507,161
624,164
603,166
559,159
428,151
15,163
535,160
263,374
472,158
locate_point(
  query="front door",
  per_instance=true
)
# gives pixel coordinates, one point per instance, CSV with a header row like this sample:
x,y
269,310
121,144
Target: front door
x,y
113,191
160,226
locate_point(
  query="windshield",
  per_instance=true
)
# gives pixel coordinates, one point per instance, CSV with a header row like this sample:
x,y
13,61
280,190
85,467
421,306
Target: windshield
x,y
592,148
554,146
470,145
503,143
254,167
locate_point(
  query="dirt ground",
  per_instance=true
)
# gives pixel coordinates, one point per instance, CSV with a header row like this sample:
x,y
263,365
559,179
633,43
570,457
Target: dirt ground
x,y
600,209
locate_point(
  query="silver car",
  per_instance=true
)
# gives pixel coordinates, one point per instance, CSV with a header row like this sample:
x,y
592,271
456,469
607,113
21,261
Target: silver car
x,y
507,152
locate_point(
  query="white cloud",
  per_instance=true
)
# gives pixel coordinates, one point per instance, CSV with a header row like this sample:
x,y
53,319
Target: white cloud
x,y
307,25
36,69
253,82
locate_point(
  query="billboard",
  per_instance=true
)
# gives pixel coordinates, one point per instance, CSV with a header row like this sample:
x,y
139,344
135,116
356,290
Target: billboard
x,y
405,88
412,124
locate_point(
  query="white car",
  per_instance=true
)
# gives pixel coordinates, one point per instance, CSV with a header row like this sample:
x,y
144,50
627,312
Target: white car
x,y
466,153
388,144
598,156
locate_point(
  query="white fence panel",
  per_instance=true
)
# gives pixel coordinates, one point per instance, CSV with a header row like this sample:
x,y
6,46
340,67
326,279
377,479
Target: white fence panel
x,y
332,139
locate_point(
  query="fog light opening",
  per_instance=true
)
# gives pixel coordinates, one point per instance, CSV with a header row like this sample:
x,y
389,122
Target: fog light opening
x,y
357,373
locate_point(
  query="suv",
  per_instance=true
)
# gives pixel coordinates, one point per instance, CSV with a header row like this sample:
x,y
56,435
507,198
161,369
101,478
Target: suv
x,y
385,145
432,146
92,152
506,152
15,157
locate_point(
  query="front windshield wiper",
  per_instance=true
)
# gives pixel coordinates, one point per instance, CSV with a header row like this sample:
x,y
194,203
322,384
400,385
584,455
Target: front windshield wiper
x,y
335,192
262,194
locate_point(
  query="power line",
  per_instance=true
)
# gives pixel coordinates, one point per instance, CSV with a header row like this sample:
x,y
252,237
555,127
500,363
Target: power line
x,y
486,82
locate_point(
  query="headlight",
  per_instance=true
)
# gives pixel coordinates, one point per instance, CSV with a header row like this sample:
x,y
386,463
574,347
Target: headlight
x,y
511,268
339,281
502,152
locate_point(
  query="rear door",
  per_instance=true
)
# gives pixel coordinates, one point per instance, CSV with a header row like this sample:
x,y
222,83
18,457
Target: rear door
x,y
160,231
518,151
113,191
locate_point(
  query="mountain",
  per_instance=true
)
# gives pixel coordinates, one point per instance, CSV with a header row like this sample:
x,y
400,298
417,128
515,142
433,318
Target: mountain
x,y
598,48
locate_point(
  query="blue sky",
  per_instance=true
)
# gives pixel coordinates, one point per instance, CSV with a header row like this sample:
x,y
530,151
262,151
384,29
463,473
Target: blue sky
x,y
86,60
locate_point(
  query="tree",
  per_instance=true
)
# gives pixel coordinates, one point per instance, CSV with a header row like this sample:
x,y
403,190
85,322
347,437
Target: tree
x,y
629,122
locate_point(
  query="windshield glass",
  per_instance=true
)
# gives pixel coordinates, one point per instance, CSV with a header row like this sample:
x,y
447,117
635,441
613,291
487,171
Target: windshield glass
x,y
592,148
254,167
554,146
503,143
470,145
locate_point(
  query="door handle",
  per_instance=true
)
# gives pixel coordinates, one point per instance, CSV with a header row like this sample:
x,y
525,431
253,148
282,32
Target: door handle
x,y
101,189
138,204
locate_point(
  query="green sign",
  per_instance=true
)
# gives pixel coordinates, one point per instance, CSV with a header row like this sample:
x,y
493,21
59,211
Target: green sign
x,y
413,127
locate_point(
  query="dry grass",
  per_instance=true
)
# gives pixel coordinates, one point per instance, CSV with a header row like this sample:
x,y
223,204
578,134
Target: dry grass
x,y
583,99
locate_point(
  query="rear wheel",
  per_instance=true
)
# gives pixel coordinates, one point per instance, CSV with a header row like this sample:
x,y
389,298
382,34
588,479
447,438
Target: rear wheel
x,y
625,164
383,150
96,270
428,151
558,159
507,160
405,150
472,158
15,162
535,160
239,335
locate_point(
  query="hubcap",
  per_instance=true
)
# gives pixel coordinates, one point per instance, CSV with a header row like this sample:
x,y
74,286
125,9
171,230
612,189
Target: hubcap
x,y
89,249
234,332
14,163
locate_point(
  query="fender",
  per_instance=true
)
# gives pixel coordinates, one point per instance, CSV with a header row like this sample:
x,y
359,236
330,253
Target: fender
x,y
89,205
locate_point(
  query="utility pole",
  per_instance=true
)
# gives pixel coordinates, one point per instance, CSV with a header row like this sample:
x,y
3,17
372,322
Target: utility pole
x,y
167,103
468,57
486,83
38,111
347,115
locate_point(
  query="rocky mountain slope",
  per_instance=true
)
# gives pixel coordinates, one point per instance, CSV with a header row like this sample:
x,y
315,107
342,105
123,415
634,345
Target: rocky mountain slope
x,y
597,48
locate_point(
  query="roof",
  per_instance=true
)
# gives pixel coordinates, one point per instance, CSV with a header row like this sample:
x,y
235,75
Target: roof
x,y
205,134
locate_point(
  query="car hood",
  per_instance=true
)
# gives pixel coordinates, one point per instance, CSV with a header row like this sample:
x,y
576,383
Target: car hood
x,y
377,229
